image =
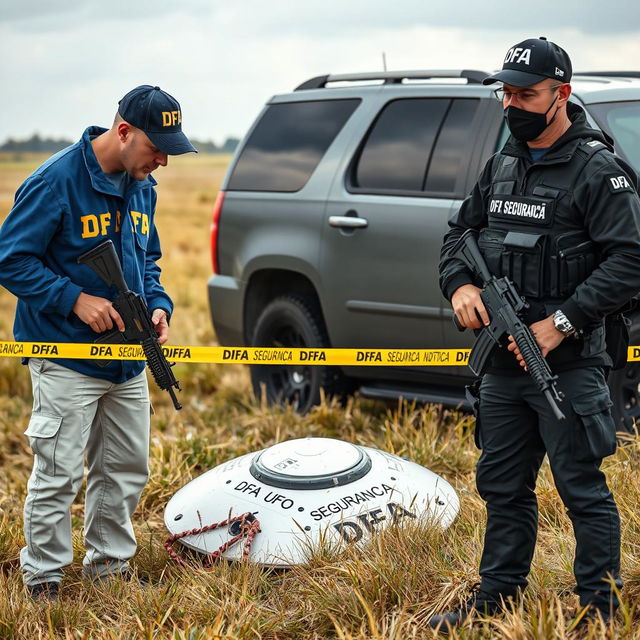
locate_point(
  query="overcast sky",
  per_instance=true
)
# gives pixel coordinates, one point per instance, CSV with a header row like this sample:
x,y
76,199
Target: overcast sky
x,y
65,64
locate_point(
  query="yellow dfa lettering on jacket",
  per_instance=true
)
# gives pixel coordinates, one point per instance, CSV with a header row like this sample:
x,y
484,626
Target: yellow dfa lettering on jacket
x,y
140,222
171,118
98,225
90,226
105,221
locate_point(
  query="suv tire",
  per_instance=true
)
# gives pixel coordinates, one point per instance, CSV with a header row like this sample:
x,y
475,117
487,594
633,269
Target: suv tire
x,y
289,321
624,386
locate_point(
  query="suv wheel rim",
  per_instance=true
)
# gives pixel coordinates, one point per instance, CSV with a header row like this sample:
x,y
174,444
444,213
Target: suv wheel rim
x,y
290,384
290,387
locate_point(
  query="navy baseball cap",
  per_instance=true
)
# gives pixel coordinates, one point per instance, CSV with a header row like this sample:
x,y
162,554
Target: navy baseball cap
x,y
158,114
532,61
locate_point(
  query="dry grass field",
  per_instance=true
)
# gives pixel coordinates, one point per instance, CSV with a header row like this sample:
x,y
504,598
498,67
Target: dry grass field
x,y
385,591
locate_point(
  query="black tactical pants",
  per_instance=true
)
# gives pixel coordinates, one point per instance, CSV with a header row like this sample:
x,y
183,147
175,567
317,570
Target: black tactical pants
x,y
515,429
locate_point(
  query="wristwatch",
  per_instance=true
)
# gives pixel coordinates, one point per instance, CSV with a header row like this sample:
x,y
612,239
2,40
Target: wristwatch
x,y
562,324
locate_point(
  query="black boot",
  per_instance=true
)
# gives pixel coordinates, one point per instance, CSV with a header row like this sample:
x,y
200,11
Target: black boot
x,y
480,602
590,614
44,591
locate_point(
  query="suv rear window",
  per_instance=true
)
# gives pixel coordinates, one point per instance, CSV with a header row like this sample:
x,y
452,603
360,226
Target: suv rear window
x,y
288,143
622,121
416,145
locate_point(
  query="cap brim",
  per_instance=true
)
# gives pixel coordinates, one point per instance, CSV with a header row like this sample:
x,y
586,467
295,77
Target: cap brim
x,y
515,78
173,144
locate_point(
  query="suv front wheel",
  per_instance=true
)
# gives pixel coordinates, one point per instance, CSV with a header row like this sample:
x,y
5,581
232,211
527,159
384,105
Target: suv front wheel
x,y
289,321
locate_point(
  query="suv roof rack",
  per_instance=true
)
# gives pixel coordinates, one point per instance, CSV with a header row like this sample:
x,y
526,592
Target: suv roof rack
x,y
393,77
614,74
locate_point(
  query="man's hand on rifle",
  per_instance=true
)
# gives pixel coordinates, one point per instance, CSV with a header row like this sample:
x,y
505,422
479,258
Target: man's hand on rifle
x,y
159,319
546,335
97,312
469,308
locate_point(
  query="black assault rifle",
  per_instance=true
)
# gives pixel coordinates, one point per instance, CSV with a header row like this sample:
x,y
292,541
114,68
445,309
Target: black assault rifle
x,y
134,313
505,308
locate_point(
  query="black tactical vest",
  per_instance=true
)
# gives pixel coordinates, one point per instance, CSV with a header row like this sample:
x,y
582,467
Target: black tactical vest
x,y
535,236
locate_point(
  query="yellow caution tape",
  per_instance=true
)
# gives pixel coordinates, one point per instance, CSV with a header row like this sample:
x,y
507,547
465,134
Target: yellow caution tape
x,y
251,355
241,355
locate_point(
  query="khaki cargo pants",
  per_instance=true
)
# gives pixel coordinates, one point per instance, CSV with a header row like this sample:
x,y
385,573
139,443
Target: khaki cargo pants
x,y
73,414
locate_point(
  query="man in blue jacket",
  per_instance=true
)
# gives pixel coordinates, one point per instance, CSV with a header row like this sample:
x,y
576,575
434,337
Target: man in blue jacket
x,y
97,189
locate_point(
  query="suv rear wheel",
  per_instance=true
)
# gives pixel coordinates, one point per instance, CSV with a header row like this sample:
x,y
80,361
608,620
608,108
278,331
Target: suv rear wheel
x,y
289,321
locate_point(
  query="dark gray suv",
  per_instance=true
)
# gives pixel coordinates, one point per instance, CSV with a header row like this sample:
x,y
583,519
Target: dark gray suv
x,y
328,226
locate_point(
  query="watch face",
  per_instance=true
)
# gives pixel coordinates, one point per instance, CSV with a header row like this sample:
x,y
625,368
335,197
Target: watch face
x,y
561,322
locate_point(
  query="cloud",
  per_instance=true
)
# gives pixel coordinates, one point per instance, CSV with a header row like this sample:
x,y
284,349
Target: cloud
x,y
52,15
337,16
292,17
223,61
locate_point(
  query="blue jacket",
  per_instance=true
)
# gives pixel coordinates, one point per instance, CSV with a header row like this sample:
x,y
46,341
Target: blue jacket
x,y
65,208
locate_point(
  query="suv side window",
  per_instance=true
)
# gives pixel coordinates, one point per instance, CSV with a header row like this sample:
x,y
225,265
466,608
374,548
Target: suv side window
x,y
453,148
503,137
288,143
416,145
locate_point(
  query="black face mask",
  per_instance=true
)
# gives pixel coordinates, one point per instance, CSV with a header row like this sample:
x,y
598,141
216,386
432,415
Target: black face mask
x,y
527,125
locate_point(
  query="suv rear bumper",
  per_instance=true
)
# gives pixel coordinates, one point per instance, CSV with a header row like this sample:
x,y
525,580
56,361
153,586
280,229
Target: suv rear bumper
x,y
225,305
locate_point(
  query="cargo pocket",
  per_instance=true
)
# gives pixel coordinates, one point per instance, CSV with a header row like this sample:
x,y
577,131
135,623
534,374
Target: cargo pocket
x,y
595,428
576,265
575,257
491,243
43,433
523,261
142,240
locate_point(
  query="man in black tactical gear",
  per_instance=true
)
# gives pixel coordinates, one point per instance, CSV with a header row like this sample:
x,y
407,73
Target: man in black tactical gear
x,y
557,212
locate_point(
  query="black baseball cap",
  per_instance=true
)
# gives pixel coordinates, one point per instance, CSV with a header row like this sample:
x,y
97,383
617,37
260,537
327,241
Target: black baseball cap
x,y
158,114
531,61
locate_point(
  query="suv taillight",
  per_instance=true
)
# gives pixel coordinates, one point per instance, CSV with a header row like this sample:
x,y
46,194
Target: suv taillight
x,y
215,229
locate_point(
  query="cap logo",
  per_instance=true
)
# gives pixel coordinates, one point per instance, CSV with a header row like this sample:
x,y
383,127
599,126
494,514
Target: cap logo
x,y
171,118
559,72
518,55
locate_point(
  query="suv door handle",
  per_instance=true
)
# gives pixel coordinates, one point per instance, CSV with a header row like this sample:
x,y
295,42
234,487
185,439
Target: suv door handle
x,y
348,222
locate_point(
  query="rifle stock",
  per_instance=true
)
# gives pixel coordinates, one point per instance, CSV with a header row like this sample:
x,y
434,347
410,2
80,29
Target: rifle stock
x,y
103,259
